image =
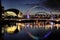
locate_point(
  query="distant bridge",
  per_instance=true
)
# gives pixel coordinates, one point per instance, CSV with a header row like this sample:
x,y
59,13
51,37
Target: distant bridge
x,y
31,19
16,20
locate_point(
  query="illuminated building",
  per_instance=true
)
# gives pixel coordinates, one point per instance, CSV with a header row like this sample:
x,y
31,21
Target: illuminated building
x,y
20,15
13,13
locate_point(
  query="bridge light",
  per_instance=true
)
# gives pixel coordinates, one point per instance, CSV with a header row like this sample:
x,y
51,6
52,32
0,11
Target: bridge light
x,y
28,16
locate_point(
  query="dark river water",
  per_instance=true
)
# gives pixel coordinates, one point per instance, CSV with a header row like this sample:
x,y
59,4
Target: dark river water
x,y
34,34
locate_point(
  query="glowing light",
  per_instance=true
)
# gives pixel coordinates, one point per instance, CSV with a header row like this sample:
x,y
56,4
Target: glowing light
x,y
20,15
9,13
2,30
31,26
28,16
47,26
27,25
19,27
51,24
10,29
23,25
18,24
57,20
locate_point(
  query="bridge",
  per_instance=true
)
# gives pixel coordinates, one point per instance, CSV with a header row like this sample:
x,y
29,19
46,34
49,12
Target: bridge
x,y
28,20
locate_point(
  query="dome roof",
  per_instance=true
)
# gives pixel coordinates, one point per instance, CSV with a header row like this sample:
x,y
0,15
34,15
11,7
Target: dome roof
x,y
13,10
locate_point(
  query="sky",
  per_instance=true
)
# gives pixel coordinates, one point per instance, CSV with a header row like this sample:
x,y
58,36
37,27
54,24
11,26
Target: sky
x,y
25,5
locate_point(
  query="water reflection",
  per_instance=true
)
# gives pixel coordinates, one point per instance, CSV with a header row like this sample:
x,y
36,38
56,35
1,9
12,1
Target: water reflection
x,y
37,25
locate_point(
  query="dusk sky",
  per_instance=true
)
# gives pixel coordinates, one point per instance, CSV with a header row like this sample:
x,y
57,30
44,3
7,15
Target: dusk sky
x,y
24,5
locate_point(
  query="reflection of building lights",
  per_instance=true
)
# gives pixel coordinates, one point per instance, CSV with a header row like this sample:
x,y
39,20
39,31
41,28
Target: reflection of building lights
x,y
31,26
23,25
38,24
47,26
51,24
57,25
18,23
10,29
2,30
27,25
19,27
